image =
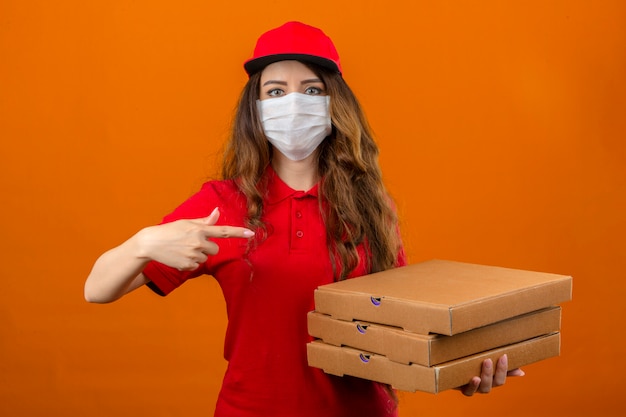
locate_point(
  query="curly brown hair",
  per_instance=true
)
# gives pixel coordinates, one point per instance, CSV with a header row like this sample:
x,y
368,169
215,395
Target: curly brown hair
x,y
356,206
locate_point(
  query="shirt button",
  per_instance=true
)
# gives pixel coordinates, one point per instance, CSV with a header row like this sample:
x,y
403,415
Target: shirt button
x,y
298,214
299,233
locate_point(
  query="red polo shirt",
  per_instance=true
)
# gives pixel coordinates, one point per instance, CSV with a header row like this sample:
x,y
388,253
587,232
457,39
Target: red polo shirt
x,y
267,298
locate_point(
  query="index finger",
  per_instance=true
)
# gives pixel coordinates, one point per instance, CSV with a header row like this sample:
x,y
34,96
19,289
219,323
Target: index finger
x,y
228,231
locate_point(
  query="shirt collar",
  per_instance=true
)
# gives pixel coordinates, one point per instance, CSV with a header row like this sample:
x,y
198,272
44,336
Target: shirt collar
x,y
278,190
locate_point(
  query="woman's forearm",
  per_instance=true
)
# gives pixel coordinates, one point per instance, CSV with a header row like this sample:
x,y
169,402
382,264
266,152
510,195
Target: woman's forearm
x,y
116,272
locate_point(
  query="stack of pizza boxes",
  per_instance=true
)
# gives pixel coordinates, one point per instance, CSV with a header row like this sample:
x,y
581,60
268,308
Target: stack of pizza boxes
x,y
429,326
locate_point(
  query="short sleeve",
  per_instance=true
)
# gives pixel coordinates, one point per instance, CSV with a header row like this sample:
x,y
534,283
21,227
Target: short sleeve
x,y
165,279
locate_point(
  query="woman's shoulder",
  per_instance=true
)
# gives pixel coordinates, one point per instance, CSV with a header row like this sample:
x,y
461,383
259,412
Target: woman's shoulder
x,y
213,193
225,193
220,187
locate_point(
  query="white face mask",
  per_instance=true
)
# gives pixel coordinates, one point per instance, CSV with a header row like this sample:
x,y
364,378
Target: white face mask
x,y
296,123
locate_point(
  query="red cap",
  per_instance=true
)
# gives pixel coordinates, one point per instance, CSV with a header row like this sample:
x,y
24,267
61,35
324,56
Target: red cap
x,y
293,40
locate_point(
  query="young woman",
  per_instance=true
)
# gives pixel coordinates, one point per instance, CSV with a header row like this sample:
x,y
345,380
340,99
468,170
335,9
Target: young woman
x,y
301,204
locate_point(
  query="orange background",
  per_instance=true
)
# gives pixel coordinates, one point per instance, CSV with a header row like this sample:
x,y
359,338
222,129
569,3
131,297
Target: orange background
x,y
501,126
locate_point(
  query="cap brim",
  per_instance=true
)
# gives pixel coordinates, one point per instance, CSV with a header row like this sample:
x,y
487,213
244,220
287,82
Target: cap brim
x,y
257,64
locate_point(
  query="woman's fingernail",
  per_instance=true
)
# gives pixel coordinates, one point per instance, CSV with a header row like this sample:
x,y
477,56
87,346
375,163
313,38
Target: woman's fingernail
x,y
248,233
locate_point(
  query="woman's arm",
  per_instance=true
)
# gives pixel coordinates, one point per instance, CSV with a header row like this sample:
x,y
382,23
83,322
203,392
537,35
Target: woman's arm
x,y
182,244
116,272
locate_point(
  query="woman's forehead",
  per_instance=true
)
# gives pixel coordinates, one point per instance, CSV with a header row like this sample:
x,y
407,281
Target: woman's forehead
x,y
291,68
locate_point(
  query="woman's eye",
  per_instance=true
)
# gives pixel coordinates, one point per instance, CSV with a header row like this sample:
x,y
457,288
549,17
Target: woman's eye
x,y
313,90
275,92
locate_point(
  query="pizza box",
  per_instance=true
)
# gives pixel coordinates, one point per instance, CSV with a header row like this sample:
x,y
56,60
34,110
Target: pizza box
x,y
344,360
443,297
405,347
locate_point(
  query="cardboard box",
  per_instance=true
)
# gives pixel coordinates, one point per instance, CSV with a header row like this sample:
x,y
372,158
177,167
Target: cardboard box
x,y
348,361
404,347
442,297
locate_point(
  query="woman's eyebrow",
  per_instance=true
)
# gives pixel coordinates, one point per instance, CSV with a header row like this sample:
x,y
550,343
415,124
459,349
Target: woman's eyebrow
x,y
309,81
312,80
274,82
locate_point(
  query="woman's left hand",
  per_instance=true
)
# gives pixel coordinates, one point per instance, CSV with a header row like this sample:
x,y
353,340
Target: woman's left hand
x,y
490,378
